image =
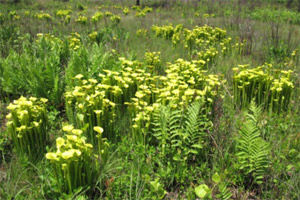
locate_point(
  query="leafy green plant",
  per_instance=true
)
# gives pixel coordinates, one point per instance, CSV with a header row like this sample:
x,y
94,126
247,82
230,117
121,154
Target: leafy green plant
x,y
89,62
276,15
204,192
252,150
27,126
5,147
36,71
181,135
157,188
9,35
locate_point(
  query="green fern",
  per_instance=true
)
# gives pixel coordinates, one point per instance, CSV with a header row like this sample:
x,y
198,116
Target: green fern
x,y
254,114
252,149
165,121
225,193
182,132
195,126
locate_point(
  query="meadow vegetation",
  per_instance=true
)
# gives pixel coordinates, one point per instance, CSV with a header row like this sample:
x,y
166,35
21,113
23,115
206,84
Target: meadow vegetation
x,y
166,99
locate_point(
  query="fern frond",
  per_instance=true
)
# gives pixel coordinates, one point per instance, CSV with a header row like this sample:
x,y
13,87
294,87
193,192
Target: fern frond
x,y
224,192
254,112
181,130
191,118
161,120
252,149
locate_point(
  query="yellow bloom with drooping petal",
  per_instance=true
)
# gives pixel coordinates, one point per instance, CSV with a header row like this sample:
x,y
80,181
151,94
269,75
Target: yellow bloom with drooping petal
x,y
79,76
149,108
98,112
189,92
81,106
60,142
8,116
11,106
88,145
73,138
77,152
112,104
64,166
135,126
98,129
33,99
44,100
68,154
139,94
21,128
36,124
77,131
52,156
68,128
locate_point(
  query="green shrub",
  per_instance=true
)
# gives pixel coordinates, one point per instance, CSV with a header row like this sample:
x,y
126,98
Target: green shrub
x,y
36,71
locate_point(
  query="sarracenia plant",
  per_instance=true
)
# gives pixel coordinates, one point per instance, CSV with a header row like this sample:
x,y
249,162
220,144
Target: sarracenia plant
x,y
95,103
74,162
269,87
206,41
88,106
27,125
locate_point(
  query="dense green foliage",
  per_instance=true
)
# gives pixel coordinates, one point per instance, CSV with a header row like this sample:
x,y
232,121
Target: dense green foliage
x,y
252,150
109,100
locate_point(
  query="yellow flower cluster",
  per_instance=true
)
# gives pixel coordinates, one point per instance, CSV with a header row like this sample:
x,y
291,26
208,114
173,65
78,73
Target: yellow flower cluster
x,y
209,55
167,31
93,35
126,11
74,162
203,36
266,85
97,17
87,105
115,19
141,32
13,15
152,59
206,41
74,41
48,38
63,13
42,15
137,87
81,19
27,125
